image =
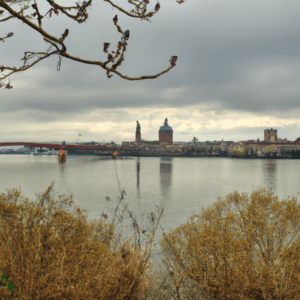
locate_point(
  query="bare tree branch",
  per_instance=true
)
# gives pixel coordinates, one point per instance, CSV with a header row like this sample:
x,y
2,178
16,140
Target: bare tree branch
x,y
80,17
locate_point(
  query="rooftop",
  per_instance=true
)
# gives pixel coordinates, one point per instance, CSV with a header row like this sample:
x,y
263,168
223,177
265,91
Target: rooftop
x,y
166,127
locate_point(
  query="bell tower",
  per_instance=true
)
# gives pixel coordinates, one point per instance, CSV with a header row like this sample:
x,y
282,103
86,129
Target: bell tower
x,y
270,135
138,132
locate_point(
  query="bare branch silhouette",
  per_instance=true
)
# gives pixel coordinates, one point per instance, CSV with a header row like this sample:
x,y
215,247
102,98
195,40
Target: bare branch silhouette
x,y
80,16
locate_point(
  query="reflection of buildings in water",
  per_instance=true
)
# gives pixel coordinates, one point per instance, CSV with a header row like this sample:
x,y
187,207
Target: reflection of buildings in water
x,y
138,176
270,170
165,172
138,187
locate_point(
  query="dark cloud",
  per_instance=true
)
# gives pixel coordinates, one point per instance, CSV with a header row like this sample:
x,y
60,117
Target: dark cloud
x,y
238,64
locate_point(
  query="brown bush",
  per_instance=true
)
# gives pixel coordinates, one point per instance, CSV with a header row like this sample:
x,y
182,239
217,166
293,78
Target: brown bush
x,y
49,253
236,249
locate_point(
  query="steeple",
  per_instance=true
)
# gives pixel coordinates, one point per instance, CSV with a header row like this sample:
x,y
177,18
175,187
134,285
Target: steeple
x,y
138,132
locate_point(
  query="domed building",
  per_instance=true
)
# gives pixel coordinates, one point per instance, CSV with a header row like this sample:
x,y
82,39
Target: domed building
x,y
166,133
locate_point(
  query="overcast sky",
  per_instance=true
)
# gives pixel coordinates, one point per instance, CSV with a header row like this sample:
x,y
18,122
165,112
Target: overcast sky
x,y
237,73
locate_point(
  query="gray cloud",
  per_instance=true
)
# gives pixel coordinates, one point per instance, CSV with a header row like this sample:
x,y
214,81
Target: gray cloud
x,y
237,74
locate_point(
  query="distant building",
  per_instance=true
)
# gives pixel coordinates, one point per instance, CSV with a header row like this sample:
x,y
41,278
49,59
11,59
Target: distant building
x,y
166,133
283,141
150,142
180,143
194,140
138,132
270,135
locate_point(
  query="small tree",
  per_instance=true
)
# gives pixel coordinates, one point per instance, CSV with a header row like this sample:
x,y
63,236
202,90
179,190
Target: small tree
x,y
237,249
79,16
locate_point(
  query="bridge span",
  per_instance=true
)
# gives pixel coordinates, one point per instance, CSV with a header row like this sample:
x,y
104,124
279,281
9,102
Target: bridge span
x,y
58,146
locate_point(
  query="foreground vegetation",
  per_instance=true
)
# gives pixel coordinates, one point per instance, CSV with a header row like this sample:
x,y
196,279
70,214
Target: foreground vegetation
x,y
238,248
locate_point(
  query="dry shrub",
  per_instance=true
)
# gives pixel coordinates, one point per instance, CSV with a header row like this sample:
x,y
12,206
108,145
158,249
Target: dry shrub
x,y
239,248
236,249
49,253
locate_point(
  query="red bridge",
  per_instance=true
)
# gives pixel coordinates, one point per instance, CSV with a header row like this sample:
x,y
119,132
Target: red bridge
x,y
58,146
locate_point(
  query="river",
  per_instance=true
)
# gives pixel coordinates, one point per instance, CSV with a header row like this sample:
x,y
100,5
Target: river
x,y
180,185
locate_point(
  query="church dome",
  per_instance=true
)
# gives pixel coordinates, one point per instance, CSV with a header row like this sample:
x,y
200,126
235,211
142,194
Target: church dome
x,y
165,127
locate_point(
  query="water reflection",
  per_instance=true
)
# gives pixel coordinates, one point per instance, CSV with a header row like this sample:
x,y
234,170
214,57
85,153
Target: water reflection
x,y
165,175
138,177
62,171
148,181
270,172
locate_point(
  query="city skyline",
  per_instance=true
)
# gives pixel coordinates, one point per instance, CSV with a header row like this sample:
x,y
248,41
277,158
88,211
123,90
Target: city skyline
x,y
236,75
270,134
140,134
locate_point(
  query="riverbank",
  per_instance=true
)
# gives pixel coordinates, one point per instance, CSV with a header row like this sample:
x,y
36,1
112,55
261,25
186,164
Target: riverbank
x,y
187,155
164,155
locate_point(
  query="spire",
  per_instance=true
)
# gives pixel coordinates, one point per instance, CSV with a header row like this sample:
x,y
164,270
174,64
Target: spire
x,y
166,122
138,132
